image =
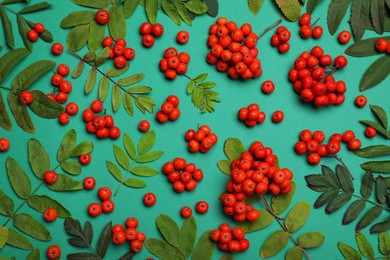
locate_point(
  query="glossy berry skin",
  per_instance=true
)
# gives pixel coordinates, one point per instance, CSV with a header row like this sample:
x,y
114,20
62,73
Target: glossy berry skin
x,y
146,28
104,193
317,32
32,35
186,212
102,17
202,207
120,62
147,40
64,118
157,30
85,159
57,48
354,144
182,37
97,106
144,126
39,28
27,97
108,206
94,209
4,144
50,215
53,252
267,87
360,101
71,108
118,237
277,116
305,19
370,132
344,37
381,45
89,183
149,199
131,222
50,177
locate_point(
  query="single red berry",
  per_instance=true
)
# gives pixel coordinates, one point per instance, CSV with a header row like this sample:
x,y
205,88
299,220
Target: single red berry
x,y
53,252
65,86
157,30
370,132
72,108
108,206
277,116
56,79
63,70
102,17
39,28
104,193
89,183
305,19
57,48
344,37
85,159
136,245
120,62
182,37
96,106
267,87
381,45
63,118
354,144
340,62
118,237
50,177
131,222
348,136
146,28
32,35
313,158
360,101
26,97
144,126
4,144
61,97
317,32
186,212
107,41
94,209
202,207
50,215
129,53
147,40
149,199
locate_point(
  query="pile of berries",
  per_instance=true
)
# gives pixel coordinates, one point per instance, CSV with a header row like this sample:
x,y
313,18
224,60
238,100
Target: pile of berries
x,y
233,49
255,172
183,176
150,31
201,140
251,115
382,45
312,143
107,205
308,29
280,39
102,126
230,239
174,63
118,51
120,234
169,110
313,79
33,34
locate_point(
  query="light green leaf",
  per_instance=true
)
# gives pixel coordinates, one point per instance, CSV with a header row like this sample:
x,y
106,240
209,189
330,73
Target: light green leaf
x,y
31,226
294,253
65,183
183,12
128,104
42,202
233,148
18,240
129,8
197,7
187,236
95,36
139,90
82,148
149,157
101,57
163,250
117,22
98,4
34,255
116,98
6,204
274,244
131,80
77,37
170,9
67,145
151,7
121,157
224,166
297,216
255,5
103,88
114,170
114,72
78,70
384,243
129,146
38,158
204,247
3,236
280,203
134,183
290,8
91,81
19,180
168,229
146,142
144,171
71,167
364,246
311,239
263,221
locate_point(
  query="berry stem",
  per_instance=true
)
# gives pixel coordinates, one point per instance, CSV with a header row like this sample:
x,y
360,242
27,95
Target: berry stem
x,y
270,27
270,210
345,166
316,21
123,179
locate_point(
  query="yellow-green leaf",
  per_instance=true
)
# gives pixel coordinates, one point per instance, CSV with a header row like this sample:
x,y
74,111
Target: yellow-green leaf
x,y
144,171
99,4
294,253
146,142
311,239
18,240
95,36
297,216
233,148
78,70
255,5
38,158
364,245
263,221
116,98
131,80
163,250
18,178
151,7
290,8
384,243
65,183
128,104
129,146
187,236
134,183
204,247
281,202
114,170
274,244
91,81
6,204
121,157
129,8
3,236
71,167
168,229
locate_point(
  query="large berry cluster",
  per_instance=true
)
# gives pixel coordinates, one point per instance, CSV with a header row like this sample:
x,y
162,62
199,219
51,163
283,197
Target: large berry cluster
x,y
174,63
233,49
230,239
201,140
312,78
251,115
120,234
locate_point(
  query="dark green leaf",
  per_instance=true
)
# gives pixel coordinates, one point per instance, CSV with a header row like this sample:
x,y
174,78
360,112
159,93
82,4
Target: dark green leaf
x,y
380,227
128,104
77,37
73,227
373,151
95,36
149,157
233,148
168,229
9,60
23,29
91,56
353,211
134,183
187,236
38,158
311,5
121,157
183,12
65,183
317,180
337,202
5,121
144,171
311,239
325,198
381,115
18,240
151,7
330,177
369,217
255,5
146,142
129,146
381,189
297,216
367,184
170,9
213,7
114,72
77,18
43,202
224,166
197,7
6,204
129,255
376,73
131,80
344,178
34,8
377,166
103,88
67,145
8,2
104,240
359,15
19,180
45,107
204,247
99,4
274,244
78,70
163,250
364,47
129,8
91,81
78,242
20,113
83,256
82,148
364,246
7,27
71,167
46,36
384,243
280,203
117,22
31,226
263,221
380,129
116,98
378,15
114,170
34,255
32,73
348,252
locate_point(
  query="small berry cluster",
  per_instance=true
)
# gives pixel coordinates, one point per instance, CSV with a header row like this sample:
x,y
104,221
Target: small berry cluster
x,y
313,79
280,39
233,49
33,34
201,140
312,143
255,172
150,31
307,29
382,45
107,205
183,176
4,144
251,115
103,127
174,63
118,51
120,234
230,239
201,207
169,110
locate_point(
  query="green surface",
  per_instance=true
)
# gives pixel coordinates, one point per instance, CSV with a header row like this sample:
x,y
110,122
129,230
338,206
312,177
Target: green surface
x,y
234,94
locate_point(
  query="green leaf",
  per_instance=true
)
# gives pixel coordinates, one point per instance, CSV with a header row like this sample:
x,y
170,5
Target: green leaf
x,y
114,72
380,227
43,202
373,151
162,249
359,16
146,142
121,157
149,157
128,104
19,180
369,217
281,203
367,184
104,240
131,80
18,240
377,166
23,29
71,167
170,9
38,158
6,204
227,257
384,243
34,255
317,182
290,8
129,255
294,253
73,227
114,170
187,236
129,146
134,183
337,202
380,129
183,12
103,88
78,18
224,166
344,178
34,8
5,121
116,98
255,5
364,47
83,256
144,171
364,246
311,5
129,8
348,252
204,248
233,148
263,221
378,15
7,27
274,244
325,198
91,81
311,239
77,37
45,107
31,226
9,60
353,211
67,145
91,56
82,148
375,73
381,189
197,7
99,4
212,7
78,70
65,183
168,229
139,90
117,22
191,87
330,177
20,113
32,73
151,7
144,103
297,216
381,115
95,36
3,236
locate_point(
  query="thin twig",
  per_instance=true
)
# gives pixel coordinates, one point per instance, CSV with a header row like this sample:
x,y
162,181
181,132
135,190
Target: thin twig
x,y
345,166
270,210
270,27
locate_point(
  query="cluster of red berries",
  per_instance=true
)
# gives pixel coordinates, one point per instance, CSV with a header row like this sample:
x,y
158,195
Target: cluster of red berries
x,y
251,115
120,234
103,127
233,49
308,29
313,79
118,51
230,239
174,63
201,207
33,34
201,140
183,176
107,205
4,144
169,110
150,31
382,45
280,39
255,172
312,143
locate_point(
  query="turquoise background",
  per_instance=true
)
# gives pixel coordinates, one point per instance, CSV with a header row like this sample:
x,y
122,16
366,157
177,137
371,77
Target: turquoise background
x,y
234,94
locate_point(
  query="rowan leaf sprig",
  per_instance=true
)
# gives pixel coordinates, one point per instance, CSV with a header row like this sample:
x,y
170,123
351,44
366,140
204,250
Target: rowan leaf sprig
x,y
202,94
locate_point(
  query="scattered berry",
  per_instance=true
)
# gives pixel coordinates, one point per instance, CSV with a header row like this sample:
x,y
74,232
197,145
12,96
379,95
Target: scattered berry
x,y
144,126
149,199
360,101
182,37
4,144
89,183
